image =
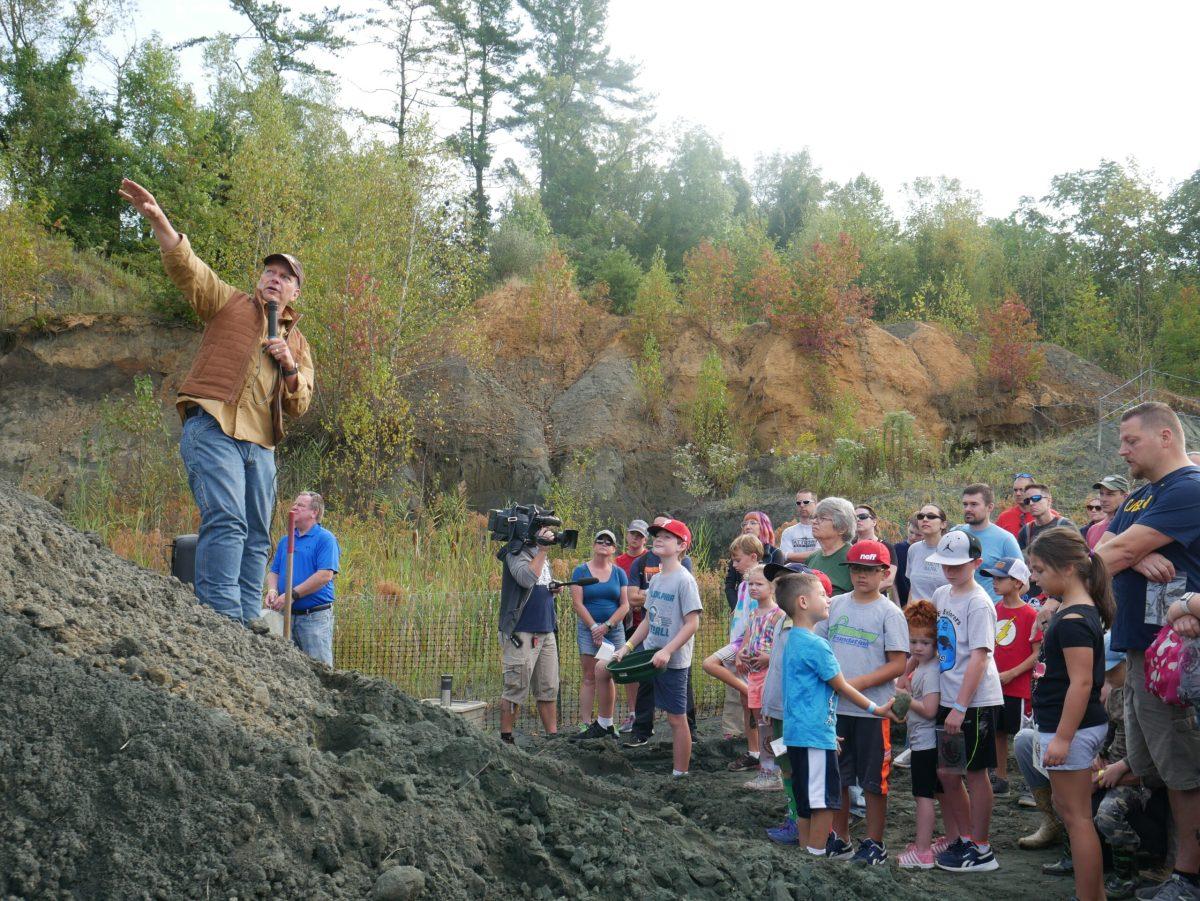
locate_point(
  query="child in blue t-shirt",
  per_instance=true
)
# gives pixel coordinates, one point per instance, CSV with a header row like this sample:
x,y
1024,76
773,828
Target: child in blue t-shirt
x,y
812,680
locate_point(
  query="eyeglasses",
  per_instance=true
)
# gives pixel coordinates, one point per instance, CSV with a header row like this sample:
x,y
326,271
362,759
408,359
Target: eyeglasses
x,y
928,516
1033,499
862,516
803,503
1094,507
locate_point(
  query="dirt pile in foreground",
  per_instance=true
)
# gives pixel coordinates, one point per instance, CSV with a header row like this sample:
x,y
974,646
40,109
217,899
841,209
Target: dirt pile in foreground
x,y
150,749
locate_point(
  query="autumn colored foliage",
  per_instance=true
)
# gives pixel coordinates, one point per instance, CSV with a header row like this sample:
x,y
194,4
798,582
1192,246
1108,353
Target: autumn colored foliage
x,y
1011,359
708,285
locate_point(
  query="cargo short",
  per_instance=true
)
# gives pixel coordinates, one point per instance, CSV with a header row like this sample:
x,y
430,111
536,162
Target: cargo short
x,y
532,667
1161,740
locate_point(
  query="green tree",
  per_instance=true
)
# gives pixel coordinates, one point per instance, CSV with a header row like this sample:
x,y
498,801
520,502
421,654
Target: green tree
x,y
655,306
287,38
1179,337
407,25
788,190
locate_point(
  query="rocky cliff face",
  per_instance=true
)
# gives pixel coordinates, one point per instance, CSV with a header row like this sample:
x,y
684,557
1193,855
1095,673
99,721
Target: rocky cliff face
x,y
510,423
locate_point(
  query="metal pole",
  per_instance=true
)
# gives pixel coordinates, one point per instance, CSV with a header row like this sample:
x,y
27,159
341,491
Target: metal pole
x,y
291,553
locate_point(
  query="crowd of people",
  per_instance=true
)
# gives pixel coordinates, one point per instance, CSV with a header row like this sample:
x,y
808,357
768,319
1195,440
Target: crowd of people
x,y
1030,632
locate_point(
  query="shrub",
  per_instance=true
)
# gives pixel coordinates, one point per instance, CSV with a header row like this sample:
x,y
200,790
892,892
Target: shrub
x,y
514,251
656,305
649,374
22,274
621,272
708,284
1008,352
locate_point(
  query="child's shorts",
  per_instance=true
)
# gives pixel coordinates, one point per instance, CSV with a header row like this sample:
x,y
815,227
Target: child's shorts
x,y
1084,747
670,690
754,688
866,756
728,653
589,646
924,773
815,780
1008,717
978,732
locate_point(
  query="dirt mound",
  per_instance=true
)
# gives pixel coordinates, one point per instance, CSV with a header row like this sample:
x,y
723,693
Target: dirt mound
x,y
150,749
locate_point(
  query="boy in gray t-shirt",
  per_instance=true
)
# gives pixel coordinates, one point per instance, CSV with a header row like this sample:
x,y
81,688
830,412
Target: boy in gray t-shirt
x,y
869,637
669,599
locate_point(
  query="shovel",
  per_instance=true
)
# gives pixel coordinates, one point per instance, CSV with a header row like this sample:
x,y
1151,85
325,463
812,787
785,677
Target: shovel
x,y
287,577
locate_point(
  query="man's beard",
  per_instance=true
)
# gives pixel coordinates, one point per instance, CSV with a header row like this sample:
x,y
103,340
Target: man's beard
x,y
972,519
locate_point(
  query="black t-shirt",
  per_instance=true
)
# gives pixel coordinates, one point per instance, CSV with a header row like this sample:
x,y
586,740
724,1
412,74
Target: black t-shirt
x,y
1168,506
1030,531
1077,626
900,558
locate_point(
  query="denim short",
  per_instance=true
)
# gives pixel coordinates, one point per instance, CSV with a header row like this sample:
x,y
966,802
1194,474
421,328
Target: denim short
x,y
583,637
670,690
1083,750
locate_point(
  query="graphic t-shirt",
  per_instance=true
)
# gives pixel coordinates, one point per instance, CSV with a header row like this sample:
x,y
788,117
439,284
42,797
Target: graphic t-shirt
x,y
1168,506
671,597
797,539
861,635
925,679
602,599
924,578
647,566
996,544
1014,625
965,623
809,701
760,635
1077,626
772,693
834,566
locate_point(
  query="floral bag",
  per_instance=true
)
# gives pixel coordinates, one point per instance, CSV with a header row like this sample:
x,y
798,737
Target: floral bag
x,y
1165,664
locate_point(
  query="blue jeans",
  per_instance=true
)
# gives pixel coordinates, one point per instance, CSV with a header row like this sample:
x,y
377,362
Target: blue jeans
x,y
313,634
1023,751
233,483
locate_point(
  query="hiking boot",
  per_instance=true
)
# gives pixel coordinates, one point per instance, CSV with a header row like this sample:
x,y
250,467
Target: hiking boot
x,y
786,833
838,848
1064,866
636,741
1176,888
764,782
912,859
743,764
972,859
869,853
903,759
1050,832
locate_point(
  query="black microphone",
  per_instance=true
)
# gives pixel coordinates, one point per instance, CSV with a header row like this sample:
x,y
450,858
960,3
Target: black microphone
x,y
586,580
272,319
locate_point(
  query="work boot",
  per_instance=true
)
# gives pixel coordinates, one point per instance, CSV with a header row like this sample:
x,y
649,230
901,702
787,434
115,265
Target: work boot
x,y
1050,832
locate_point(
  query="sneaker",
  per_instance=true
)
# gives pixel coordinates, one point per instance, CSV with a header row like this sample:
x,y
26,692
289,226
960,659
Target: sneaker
x,y
971,860
786,833
999,786
1027,800
765,782
636,741
870,853
903,759
1118,888
627,725
912,859
588,732
941,844
951,854
679,775
1176,888
743,764
838,848
1064,866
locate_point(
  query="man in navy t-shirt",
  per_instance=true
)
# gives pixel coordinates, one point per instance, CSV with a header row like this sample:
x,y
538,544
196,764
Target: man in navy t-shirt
x,y
1152,549
313,567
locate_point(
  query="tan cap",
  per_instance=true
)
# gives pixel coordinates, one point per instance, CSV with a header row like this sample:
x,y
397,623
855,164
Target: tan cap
x,y
292,263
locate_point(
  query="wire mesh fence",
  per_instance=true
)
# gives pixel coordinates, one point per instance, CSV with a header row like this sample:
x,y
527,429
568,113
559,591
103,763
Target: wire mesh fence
x,y
413,641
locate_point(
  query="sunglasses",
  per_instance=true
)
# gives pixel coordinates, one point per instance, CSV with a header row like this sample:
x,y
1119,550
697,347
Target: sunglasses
x,y
1023,475
928,516
1032,499
606,541
862,516
1094,507
803,503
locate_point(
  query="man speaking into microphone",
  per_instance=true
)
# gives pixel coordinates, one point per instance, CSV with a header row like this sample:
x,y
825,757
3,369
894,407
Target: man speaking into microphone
x,y
253,367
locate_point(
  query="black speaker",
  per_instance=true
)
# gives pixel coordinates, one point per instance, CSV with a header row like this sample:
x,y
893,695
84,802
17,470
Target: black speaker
x,y
183,558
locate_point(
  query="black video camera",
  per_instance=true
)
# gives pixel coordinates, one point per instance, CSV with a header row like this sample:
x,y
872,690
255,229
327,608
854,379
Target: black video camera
x,y
519,525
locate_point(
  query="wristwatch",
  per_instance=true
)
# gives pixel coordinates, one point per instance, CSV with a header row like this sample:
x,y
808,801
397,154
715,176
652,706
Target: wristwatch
x,y
288,373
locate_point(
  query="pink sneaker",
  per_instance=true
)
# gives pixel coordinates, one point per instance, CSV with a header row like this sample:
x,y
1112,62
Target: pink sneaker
x,y
912,859
940,844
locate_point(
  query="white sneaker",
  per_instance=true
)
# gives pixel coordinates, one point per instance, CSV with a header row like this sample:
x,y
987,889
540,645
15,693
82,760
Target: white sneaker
x,y
903,759
765,782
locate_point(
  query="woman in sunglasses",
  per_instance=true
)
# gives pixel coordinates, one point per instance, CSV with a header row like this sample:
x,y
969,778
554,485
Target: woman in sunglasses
x,y
866,522
601,608
924,577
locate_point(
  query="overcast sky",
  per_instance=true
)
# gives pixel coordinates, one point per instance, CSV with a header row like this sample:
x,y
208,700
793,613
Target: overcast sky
x,y
1001,96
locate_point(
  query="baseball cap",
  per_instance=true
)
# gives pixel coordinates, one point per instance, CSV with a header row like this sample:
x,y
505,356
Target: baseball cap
x,y
1114,483
292,263
774,570
640,526
956,548
606,533
676,528
1008,567
1111,657
869,553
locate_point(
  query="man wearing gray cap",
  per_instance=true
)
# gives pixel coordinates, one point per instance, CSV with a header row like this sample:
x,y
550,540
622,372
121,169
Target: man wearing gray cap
x,y
635,549
232,403
1112,491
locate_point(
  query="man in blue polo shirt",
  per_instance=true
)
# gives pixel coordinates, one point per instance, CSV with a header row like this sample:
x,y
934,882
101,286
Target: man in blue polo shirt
x,y
313,568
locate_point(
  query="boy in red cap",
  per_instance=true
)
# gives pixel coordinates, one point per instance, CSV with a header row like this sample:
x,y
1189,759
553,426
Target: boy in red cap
x,y
672,618
869,637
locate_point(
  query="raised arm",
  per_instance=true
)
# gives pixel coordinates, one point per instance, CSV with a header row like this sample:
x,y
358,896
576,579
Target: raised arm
x,y
143,201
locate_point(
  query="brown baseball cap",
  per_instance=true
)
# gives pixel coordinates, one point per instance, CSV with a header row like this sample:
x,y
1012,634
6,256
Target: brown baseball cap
x,y
292,263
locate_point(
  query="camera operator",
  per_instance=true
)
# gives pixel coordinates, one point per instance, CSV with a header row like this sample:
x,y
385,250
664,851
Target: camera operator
x,y
527,639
